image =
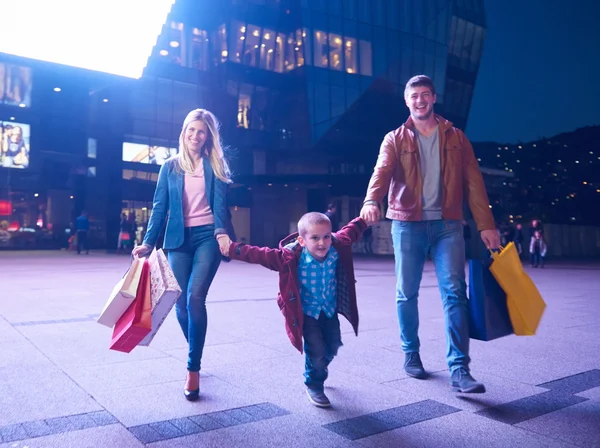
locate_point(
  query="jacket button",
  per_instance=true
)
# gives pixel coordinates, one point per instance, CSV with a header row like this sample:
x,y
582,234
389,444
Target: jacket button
x,y
295,322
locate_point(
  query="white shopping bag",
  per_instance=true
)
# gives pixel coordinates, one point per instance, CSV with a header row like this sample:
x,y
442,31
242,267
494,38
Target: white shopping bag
x,y
164,291
122,295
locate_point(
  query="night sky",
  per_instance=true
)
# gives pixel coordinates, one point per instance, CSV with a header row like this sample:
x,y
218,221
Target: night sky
x,y
540,70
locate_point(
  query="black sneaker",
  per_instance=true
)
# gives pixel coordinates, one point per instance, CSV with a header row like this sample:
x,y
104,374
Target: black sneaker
x,y
464,382
318,398
413,365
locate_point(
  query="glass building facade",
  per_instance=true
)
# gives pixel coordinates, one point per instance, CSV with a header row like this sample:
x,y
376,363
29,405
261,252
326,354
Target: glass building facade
x,y
305,90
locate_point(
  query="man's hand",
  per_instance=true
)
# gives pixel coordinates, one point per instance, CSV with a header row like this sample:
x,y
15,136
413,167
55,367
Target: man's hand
x,y
370,213
224,243
491,239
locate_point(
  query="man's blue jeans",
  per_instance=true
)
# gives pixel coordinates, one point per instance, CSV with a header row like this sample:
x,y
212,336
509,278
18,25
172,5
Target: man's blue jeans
x,y
322,339
195,265
443,240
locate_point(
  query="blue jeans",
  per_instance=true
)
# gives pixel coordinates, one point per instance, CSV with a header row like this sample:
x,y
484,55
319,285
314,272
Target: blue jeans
x,y
195,264
322,339
443,240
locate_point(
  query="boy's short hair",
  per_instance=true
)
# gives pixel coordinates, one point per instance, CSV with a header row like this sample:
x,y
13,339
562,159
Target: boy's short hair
x,y
311,219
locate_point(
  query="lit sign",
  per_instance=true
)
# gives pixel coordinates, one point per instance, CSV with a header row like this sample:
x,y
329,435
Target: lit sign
x,y
111,36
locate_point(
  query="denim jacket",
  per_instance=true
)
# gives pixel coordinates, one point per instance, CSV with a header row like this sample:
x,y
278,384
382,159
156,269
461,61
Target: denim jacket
x,y
168,204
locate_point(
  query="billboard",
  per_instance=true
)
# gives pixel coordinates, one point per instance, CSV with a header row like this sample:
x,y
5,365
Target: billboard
x,y
15,85
153,155
14,144
111,36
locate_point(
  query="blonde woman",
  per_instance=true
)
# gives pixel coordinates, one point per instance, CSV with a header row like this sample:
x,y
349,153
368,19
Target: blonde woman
x,y
191,196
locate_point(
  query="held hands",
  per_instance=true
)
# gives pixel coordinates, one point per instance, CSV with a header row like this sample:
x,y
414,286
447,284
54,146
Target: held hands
x,y
141,251
370,213
491,238
224,243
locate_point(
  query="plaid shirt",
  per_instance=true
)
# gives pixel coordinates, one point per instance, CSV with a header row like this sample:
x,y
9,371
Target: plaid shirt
x,y
318,284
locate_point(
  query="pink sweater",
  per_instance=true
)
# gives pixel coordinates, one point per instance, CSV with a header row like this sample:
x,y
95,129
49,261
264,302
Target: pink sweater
x,y
196,210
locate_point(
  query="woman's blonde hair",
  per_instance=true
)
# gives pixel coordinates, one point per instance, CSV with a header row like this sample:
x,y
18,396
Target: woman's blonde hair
x,y
213,146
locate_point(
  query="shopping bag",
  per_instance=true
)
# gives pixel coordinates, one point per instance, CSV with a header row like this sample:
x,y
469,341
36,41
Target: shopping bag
x,y
164,291
122,295
136,323
525,304
488,312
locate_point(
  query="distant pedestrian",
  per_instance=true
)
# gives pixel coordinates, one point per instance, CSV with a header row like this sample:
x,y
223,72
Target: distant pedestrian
x,y
82,226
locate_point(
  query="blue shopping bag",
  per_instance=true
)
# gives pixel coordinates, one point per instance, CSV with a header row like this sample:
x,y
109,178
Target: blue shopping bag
x,y
488,313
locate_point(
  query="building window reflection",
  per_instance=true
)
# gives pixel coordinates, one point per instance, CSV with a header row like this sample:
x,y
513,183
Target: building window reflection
x,y
320,49
244,106
335,52
350,55
172,46
199,49
251,55
290,54
267,50
366,58
221,45
280,60
237,41
298,49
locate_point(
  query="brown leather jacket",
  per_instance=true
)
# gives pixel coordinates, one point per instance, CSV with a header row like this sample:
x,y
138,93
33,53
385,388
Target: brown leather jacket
x,y
398,172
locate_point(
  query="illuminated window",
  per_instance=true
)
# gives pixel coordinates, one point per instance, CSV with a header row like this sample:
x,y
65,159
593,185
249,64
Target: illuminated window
x,y
290,53
320,50
173,46
350,54
237,41
15,85
279,53
199,49
244,103
335,52
267,50
251,53
366,58
298,49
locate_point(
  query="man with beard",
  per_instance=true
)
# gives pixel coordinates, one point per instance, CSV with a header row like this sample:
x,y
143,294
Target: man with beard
x,y
428,167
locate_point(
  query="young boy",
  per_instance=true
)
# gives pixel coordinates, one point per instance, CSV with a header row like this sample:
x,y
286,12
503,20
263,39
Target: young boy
x,y
316,282
538,249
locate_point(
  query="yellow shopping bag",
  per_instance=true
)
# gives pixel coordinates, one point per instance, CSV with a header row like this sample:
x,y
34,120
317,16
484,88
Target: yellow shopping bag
x,y
525,304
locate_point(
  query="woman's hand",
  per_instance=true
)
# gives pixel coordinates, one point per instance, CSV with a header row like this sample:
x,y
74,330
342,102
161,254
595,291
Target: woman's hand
x,y
224,243
141,251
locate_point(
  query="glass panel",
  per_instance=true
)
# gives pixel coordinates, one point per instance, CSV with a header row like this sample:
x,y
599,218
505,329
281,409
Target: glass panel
x,y
364,11
335,7
298,49
393,14
366,58
220,52
244,105
307,53
252,48
290,53
335,52
338,106
350,51
279,52
322,103
199,49
477,47
350,9
394,55
236,43
406,71
175,43
467,46
267,50
379,12
258,112
320,50
379,50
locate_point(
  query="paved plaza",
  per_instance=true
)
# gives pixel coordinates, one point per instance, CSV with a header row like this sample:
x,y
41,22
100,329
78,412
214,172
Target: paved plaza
x,y
60,386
